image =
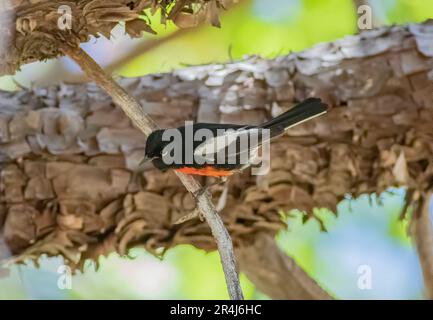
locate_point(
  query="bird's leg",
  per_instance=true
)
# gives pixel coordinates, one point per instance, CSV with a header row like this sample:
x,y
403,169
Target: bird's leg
x,y
196,213
190,216
205,189
222,201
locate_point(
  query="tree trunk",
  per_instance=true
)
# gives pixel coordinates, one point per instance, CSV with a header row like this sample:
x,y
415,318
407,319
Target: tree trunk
x,y
69,179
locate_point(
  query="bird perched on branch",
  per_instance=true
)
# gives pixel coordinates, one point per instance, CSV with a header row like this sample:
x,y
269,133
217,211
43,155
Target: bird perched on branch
x,y
220,150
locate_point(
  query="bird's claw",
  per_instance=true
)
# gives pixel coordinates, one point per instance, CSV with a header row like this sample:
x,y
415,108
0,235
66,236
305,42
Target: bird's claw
x,y
201,192
190,216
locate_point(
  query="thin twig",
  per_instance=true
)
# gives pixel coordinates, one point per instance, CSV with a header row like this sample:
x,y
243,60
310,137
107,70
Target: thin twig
x,y
136,113
189,216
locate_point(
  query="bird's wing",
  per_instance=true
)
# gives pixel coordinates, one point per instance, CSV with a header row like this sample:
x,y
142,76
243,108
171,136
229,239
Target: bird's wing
x,y
233,143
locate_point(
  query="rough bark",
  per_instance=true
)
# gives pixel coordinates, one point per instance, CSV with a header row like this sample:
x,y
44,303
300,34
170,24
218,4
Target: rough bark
x,y
69,179
30,28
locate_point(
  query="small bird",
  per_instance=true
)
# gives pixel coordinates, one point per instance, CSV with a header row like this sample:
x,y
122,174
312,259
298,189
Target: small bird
x,y
220,150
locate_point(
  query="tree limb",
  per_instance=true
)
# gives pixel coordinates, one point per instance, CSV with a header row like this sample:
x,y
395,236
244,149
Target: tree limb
x,y
135,112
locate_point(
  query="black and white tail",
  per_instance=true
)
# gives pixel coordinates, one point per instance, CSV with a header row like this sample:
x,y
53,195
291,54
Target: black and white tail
x,y
304,111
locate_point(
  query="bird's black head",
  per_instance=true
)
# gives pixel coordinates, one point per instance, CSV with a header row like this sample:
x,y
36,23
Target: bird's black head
x,y
154,149
154,145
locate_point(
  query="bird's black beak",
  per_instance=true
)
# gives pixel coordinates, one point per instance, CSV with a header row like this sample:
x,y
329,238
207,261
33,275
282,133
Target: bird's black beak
x,y
145,160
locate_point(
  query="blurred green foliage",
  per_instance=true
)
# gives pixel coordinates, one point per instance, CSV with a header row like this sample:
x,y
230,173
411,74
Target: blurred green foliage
x,y
253,27
405,11
247,29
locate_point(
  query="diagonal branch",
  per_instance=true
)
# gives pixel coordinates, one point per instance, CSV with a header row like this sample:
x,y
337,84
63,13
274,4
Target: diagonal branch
x,y
140,119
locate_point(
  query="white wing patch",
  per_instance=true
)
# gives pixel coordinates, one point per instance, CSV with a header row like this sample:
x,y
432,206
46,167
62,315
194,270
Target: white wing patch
x,y
232,143
306,119
225,142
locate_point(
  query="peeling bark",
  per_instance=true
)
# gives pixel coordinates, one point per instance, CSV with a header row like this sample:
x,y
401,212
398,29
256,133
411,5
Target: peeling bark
x,y
30,28
69,180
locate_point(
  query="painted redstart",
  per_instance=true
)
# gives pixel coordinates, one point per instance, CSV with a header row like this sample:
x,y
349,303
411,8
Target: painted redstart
x,y
219,150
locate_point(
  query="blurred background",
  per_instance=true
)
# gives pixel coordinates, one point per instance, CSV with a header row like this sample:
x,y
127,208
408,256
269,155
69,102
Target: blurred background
x,y
365,237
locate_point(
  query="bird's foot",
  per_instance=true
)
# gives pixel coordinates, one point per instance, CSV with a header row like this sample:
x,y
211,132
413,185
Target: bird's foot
x,y
190,216
202,191
196,212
